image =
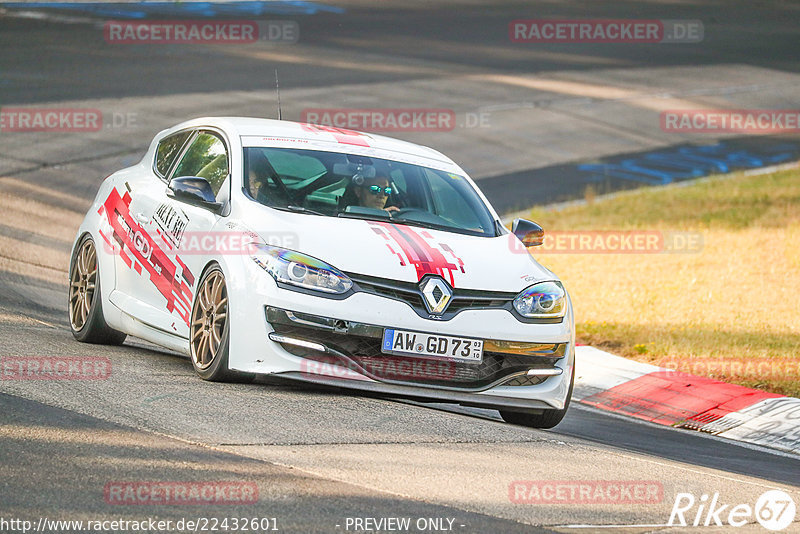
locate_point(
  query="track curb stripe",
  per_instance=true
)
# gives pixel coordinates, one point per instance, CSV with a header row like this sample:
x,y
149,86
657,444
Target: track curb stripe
x,y
672,398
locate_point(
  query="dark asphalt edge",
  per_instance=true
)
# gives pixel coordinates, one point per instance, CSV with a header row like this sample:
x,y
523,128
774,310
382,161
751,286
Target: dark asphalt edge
x,y
101,423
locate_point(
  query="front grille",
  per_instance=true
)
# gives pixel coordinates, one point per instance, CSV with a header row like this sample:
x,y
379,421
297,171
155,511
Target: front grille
x,y
361,352
411,297
525,381
466,304
410,293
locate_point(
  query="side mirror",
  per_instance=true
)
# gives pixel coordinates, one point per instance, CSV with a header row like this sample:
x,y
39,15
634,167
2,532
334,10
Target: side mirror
x,y
530,233
194,190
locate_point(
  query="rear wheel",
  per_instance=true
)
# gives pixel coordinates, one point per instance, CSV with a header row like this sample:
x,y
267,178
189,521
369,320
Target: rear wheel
x,y
208,332
545,419
85,303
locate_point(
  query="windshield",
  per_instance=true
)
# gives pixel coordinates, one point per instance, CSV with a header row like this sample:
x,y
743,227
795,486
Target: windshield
x,y
345,185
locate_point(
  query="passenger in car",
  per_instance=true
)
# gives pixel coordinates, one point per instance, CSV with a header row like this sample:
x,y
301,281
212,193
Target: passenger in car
x,y
261,185
257,174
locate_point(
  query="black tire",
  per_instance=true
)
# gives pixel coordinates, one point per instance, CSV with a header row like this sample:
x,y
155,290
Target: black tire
x,y
216,369
88,326
546,419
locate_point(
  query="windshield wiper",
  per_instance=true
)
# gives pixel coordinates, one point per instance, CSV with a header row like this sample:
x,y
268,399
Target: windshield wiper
x,y
414,222
297,209
442,227
409,222
388,217
365,216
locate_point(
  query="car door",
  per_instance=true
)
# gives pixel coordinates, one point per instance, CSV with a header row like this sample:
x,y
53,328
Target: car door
x,y
141,265
184,232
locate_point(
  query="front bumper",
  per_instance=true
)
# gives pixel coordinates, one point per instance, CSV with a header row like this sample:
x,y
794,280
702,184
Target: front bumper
x,y
252,351
339,346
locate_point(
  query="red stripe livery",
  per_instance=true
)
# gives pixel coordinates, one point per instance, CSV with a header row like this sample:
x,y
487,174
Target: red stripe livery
x,y
426,258
146,253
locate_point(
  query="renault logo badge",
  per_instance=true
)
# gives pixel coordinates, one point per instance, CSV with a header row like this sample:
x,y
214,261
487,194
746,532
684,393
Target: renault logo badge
x,y
436,294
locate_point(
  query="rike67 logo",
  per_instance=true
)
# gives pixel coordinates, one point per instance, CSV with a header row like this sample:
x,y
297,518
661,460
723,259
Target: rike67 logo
x,y
774,510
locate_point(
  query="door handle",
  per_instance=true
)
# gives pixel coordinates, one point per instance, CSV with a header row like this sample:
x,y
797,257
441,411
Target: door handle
x,y
142,218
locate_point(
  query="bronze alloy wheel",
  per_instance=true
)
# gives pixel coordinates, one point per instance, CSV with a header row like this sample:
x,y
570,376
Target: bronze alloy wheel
x,y
208,320
82,285
84,302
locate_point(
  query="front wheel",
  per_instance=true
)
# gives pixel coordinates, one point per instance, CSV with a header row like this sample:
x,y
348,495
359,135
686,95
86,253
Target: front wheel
x,y
546,419
208,332
85,304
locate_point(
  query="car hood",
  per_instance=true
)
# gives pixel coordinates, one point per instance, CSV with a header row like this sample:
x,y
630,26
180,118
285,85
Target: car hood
x,y
408,253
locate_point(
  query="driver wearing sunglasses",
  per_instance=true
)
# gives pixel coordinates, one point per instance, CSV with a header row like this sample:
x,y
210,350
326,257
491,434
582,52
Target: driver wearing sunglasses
x,y
374,193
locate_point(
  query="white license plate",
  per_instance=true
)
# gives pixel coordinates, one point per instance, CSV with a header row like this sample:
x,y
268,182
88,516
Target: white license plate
x,y
432,345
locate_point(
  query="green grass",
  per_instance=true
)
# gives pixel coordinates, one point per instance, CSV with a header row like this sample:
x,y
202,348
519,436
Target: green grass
x,y
770,200
738,299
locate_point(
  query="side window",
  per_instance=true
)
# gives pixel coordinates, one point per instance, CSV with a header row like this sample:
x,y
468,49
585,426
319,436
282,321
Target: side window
x,y
168,150
206,158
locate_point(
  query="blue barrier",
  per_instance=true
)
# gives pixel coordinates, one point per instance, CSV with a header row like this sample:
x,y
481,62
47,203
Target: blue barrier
x,y
142,10
664,167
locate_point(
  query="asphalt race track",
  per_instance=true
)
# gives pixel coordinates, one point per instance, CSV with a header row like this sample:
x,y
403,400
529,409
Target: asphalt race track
x,y
529,119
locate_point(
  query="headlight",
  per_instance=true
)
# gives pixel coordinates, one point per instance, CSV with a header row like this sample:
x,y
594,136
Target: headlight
x,y
294,268
545,300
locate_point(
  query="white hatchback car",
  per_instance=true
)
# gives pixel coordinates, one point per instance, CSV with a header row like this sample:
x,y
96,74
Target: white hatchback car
x,y
325,255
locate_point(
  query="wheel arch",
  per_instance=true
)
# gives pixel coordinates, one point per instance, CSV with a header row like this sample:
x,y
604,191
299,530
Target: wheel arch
x,y
78,240
208,265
